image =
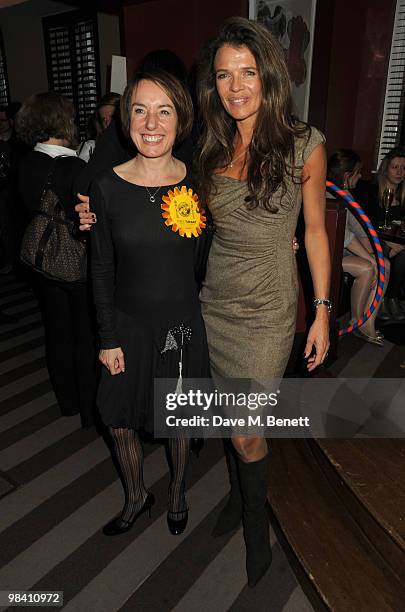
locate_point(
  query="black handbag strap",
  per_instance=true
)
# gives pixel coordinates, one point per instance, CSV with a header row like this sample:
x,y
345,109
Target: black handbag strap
x,y
51,169
67,222
49,176
39,256
48,185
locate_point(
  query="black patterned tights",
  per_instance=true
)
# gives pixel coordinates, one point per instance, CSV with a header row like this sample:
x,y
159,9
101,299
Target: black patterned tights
x,y
129,453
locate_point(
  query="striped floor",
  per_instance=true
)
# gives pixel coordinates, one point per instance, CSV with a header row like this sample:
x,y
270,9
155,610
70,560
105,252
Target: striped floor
x,y
58,487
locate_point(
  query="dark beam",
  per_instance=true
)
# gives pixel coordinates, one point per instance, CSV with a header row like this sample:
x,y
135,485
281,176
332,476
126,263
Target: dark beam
x,y
104,6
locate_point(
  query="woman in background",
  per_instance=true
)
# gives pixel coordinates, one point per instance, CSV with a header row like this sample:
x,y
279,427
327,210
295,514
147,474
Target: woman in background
x,y
104,113
344,169
390,174
46,122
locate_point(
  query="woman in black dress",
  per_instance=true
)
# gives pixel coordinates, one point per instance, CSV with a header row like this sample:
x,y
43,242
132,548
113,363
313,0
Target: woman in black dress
x,y
144,288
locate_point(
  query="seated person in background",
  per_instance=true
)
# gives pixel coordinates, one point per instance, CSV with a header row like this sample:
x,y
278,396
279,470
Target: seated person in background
x,y
344,169
391,173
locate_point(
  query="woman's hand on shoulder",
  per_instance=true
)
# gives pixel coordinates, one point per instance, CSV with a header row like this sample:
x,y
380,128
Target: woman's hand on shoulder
x,y
317,346
113,360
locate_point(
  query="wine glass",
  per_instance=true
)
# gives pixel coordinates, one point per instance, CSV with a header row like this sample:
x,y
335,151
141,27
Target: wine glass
x,y
387,199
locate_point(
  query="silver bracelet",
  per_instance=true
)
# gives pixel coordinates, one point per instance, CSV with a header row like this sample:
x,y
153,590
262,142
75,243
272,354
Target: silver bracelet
x,y
323,301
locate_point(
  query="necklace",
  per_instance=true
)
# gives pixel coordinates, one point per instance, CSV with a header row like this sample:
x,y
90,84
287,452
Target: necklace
x,y
152,195
231,164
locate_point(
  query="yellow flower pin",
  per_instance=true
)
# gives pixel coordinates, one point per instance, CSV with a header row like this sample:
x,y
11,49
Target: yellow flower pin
x,y
182,212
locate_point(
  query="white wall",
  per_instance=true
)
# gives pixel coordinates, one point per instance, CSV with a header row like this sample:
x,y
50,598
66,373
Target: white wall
x,y
24,45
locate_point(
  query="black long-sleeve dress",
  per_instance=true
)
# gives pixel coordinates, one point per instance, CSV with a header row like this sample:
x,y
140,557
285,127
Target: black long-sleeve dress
x,y
144,287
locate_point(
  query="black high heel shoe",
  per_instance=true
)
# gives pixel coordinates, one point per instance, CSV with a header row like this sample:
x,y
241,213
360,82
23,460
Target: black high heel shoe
x,y
118,525
177,526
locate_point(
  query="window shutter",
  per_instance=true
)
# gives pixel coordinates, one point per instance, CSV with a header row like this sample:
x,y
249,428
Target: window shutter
x,y
87,73
393,115
60,61
71,45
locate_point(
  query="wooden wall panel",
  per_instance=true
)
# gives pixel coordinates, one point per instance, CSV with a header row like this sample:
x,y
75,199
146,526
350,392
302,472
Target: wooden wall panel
x,y
344,72
371,88
321,55
351,54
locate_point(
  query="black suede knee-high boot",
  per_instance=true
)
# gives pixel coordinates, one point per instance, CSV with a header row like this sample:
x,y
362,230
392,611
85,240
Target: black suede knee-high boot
x,y
254,479
231,515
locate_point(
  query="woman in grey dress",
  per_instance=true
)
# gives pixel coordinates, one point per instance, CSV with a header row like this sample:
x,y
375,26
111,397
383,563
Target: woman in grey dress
x,y
256,164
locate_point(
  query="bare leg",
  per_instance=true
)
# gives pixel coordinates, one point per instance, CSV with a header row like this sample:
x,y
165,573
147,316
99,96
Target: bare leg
x,y
250,449
386,281
363,289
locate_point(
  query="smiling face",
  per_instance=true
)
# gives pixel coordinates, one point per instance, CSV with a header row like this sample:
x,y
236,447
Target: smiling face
x,y
238,83
153,120
396,170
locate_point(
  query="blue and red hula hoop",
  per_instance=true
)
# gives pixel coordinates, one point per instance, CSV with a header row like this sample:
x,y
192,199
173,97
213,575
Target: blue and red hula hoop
x,y
358,212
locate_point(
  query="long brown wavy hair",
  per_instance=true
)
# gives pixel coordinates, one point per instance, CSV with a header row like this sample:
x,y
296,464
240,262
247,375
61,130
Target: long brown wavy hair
x,y
271,151
382,175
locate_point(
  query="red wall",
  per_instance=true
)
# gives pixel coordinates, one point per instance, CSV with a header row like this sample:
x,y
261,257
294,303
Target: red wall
x,y
350,59
374,66
182,26
351,55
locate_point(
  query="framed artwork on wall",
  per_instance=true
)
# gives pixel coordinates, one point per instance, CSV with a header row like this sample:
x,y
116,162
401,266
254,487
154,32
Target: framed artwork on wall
x,y
293,23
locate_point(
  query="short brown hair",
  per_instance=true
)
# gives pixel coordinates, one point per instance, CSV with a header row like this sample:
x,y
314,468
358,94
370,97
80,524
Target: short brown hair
x,y
46,115
177,93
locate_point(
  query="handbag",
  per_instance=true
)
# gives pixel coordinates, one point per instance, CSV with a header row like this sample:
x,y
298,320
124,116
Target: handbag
x,y
48,245
202,249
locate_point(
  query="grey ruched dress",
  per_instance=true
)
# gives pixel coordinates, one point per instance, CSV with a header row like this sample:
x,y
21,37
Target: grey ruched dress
x,y
249,297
